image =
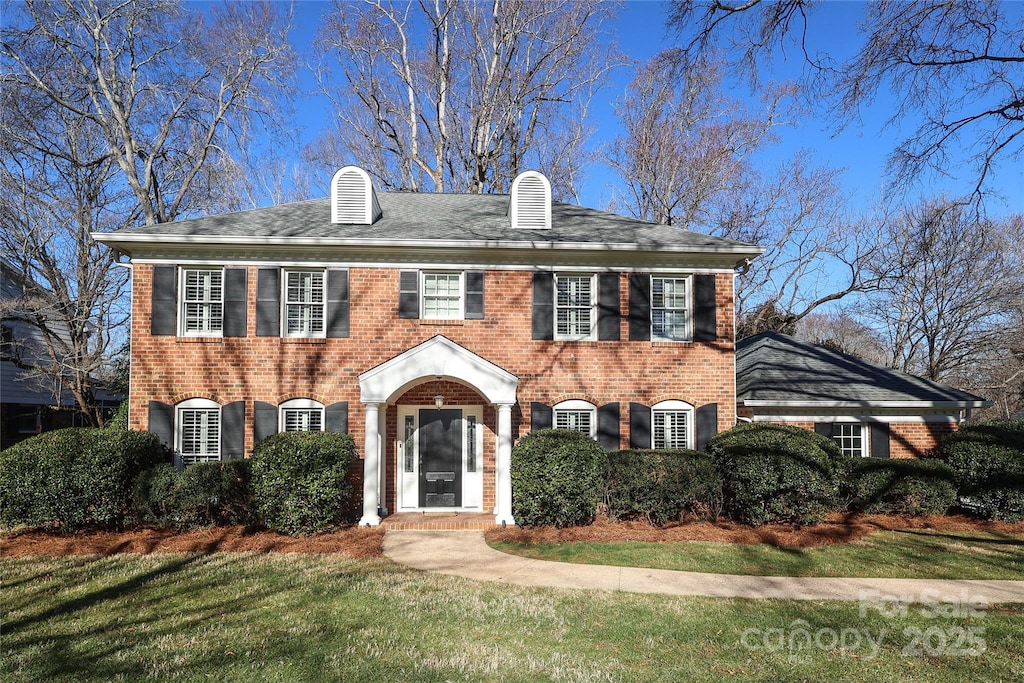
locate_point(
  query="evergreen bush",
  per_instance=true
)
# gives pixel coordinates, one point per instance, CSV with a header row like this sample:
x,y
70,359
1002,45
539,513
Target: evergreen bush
x,y
556,478
901,487
661,485
988,468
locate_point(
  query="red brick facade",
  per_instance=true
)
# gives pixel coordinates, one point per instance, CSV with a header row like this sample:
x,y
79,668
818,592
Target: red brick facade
x,y
170,369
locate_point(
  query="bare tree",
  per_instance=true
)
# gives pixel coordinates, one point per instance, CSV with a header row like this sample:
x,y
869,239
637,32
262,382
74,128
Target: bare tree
x,y
951,292
685,145
114,114
460,96
954,70
843,331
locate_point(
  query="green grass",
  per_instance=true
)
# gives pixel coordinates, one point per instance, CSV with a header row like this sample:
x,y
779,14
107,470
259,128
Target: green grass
x,y
915,554
245,617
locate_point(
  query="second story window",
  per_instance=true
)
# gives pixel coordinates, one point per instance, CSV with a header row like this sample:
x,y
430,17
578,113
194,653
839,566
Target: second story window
x,y
304,308
574,307
442,296
670,309
202,303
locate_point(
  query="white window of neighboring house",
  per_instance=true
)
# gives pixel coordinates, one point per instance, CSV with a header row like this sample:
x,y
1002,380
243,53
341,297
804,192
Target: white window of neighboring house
x,y
304,308
576,415
302,415
202,302
670,309
198,430
852,438
575,307
442,296
672,425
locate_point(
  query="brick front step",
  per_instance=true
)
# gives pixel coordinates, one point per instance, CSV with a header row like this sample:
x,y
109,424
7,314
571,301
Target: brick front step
x,y
438,521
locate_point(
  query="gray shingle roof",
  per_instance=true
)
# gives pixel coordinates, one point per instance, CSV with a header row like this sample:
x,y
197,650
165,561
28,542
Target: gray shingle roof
x,y
778,369
441,217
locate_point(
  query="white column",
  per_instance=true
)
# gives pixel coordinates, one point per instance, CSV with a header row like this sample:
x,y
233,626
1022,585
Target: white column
x,y
371,467
502,465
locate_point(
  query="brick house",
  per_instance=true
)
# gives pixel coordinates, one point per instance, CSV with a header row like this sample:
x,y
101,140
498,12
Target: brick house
x,y
436,328
871,411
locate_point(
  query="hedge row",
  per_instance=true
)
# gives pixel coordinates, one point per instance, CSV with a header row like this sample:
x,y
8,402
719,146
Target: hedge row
x,y
661,485
987,462
204,494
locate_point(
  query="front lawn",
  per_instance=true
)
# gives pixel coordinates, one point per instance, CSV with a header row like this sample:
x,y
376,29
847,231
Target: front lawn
x,y
909,553
291,617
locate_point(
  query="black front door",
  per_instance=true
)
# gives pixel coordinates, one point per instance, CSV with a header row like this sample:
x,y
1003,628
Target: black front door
x,y
440,458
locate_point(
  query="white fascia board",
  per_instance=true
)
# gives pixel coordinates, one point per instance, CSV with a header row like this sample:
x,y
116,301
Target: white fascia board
x,y
908,405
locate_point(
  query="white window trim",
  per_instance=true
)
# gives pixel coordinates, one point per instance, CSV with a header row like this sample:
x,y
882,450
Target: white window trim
x,y
674,406
688,337
182,323
592,334
423,293
284,305
300,404
576,405
196,404
865,437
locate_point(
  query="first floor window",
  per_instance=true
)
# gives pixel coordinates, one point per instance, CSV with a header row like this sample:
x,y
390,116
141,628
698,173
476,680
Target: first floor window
x,y
202,302
672,425
579,416
304,303
302,415
574,307
851,438
670,310
442,296
198,431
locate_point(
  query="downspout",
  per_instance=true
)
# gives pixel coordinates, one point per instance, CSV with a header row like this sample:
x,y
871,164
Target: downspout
x,y
741,269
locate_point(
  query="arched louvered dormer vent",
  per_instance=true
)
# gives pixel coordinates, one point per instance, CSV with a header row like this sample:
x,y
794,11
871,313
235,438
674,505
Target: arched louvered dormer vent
x,y
531,201
352,197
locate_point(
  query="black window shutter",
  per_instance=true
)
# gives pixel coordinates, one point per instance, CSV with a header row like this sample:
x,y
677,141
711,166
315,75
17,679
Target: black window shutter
x,y
264,420
608,313
608,426
268,305
474,295
409,294
823,428
336,417
879,440
164,319
232,431
639,426
236,291
543,305
707,424
161,422
705,311
541,417
337,303
639,307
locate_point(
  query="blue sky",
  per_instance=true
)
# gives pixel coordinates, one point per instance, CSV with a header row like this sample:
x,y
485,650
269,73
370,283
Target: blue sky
x,y
861,149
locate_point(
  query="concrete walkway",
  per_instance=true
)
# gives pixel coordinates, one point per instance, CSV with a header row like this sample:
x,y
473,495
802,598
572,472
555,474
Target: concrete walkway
x,y
466,554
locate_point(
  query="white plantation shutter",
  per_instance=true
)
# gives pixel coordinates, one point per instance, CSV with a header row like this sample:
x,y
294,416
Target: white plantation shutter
x,y
200,435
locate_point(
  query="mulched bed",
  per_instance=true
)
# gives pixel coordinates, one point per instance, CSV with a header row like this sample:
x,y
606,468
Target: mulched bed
x,y
362,542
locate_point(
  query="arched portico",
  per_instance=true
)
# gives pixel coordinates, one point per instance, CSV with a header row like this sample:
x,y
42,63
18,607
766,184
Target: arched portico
x,y
437,358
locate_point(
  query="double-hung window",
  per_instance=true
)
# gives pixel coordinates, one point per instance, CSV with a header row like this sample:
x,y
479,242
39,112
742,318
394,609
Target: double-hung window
x,y
442,296
302,415
304,307
670,308
672,425
202,302
576,415
852,438
198,433
575,307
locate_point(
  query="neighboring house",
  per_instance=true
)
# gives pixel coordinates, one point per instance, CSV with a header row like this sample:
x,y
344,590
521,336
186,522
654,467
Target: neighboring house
x,y
29,403
436,328
870,410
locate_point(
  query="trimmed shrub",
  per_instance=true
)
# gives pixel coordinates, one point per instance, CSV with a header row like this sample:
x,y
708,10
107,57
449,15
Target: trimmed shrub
x,y
661,485
74,478
901,487
778,473
300,480
204,494
556,478
988,468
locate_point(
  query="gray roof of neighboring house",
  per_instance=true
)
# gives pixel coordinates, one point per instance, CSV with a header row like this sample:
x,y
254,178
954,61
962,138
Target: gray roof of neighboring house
x,y
774,369
418,217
